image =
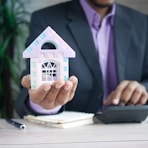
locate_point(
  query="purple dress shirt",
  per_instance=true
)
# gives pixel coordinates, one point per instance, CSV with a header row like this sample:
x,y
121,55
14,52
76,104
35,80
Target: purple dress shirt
x,y
103,39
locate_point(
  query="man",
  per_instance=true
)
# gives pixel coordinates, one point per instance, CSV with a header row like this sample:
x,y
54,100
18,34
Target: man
x,y
111,64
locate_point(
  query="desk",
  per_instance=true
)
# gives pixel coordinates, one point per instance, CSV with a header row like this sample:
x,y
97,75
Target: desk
x,y
90,136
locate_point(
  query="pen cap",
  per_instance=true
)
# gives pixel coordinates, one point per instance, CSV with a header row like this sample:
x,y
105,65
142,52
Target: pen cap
x,y
22,127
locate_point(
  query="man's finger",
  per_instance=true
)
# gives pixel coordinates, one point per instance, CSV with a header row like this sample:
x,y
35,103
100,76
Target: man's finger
x,y
26,81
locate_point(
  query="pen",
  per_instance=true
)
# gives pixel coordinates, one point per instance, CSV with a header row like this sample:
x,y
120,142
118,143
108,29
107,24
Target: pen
x,y
16,124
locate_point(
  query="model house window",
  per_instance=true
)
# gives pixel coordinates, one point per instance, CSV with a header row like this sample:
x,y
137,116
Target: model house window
x,y
49,45
49,71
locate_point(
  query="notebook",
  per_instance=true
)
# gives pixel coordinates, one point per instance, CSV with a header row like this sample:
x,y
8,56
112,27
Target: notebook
x,y
66,119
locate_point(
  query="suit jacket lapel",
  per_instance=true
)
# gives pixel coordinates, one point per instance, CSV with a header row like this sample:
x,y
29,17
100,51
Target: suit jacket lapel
x,y
84,39
122,40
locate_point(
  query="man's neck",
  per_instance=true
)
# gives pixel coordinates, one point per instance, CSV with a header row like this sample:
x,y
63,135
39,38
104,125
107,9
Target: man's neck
x,y
101,11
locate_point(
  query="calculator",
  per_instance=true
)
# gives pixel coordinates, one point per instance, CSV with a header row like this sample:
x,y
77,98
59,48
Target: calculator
x,y
122,114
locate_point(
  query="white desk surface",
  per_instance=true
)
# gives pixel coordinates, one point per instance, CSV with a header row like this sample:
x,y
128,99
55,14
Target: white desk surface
x,y
89,136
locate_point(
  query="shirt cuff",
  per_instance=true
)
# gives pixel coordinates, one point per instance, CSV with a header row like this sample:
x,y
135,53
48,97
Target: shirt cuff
x,y
38,109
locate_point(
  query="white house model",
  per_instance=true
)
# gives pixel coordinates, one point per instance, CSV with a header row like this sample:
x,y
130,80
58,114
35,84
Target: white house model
x,y
49,58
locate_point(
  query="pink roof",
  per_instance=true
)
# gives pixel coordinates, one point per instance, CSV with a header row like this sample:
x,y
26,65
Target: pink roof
x,y
48,35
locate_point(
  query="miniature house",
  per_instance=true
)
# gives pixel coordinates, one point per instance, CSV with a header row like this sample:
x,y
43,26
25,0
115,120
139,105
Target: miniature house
x,y
49,58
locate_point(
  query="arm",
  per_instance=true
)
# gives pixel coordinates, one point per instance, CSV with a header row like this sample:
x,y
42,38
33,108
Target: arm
x,y
133,92
47,97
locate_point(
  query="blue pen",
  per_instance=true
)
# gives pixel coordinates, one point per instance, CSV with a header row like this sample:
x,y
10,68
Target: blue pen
x,y
16,124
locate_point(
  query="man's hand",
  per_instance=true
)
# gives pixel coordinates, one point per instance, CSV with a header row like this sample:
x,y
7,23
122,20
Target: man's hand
x,y
128,92
50,96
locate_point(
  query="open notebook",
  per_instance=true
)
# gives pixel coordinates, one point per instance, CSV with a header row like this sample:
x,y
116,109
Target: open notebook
x,y
66,119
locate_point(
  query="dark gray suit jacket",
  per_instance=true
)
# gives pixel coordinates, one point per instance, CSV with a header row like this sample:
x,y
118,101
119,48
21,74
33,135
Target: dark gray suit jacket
x,y
131,51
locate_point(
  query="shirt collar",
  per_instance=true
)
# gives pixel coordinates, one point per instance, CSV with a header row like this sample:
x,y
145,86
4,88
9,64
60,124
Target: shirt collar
x,y
93,17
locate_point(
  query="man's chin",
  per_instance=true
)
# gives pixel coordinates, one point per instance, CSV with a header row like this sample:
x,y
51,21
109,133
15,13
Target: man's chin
x,y
100,5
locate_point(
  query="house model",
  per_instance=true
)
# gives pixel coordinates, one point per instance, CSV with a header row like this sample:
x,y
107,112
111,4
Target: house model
x,y
49,58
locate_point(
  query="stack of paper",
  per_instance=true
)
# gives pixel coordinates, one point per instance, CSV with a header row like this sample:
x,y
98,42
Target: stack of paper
x,y
66,119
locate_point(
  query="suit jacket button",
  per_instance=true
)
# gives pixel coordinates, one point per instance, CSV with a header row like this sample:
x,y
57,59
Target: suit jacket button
x,y
100,96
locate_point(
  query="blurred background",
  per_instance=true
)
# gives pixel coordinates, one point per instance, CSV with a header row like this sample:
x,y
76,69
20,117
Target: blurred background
x,y
141,5
14,22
